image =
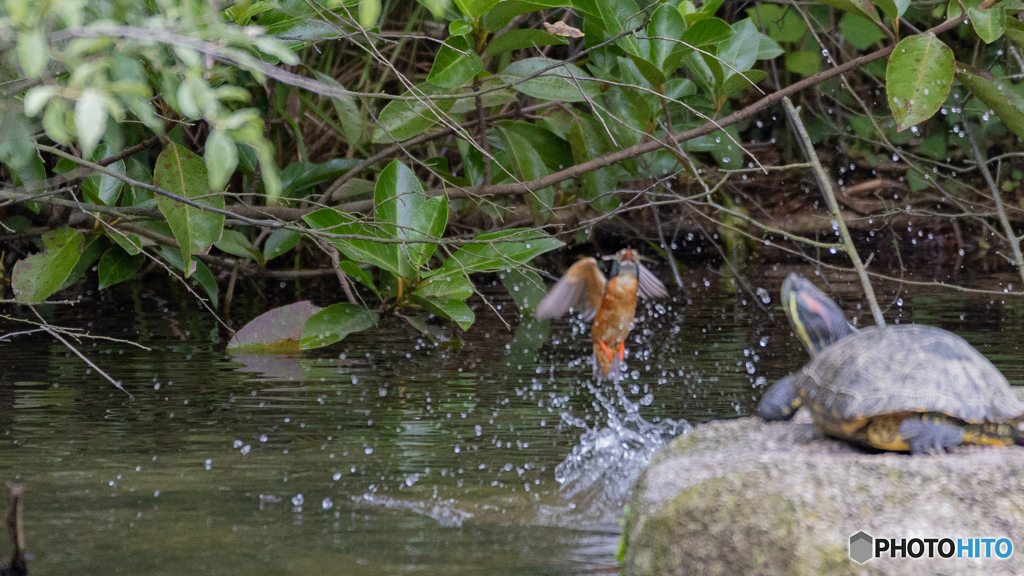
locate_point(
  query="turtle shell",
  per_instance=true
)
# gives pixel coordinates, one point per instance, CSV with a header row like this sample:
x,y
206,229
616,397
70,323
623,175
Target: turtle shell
x,y
905,368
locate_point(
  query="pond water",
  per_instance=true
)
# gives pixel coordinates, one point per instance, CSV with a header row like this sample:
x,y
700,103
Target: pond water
x,y
385,454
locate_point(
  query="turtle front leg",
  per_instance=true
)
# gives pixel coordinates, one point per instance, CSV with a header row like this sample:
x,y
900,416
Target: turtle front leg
x,y
930,437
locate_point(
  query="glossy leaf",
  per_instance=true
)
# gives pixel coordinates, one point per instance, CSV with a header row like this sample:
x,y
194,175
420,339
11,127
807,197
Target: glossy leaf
x,y
782,23
621,16
279,242
474,8
92,248
522,39
666,55
116,266
384,256
454,310
447,286
130,243
397,199
35,278
334,323
403,119
181,172
918,78
707,32
277,331
528,165
235,243
455,64
500,251
893,8
358,274
998,95
564,82
740,49
989,24
299,177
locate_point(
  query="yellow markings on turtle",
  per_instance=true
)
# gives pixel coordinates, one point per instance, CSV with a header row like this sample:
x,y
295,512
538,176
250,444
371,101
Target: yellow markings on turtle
x,y
989,434
798,326
883,432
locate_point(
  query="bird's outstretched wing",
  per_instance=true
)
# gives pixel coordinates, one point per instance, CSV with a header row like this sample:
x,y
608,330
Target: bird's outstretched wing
x,y
648,285
580,289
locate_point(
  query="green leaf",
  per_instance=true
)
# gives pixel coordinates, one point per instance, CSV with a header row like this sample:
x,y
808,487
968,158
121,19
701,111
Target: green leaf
x,y
102,188
666,22
358,274
431,218
403,119
116,266
455,64
454,310
221,158
181,172
384,256
334,323
460,28
474,8
528,165
32,52
995,94
279,242
563,83
130,243
989,24
1015,30
803,63
918,78
92,248
738,83
205,279
589,141
35,278
299,177
526,288
397,198
369,11
276,331
235,243
861,33
893,8
448,286
740,50
522,39
90,119
502,250
707,32
348,112
862,8
781,23
622,16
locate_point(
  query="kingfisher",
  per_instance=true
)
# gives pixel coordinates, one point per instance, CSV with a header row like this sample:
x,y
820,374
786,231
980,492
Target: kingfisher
x,y
610,303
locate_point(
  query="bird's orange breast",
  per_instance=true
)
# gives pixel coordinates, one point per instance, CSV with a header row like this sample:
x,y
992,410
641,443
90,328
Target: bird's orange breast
x,y
618,307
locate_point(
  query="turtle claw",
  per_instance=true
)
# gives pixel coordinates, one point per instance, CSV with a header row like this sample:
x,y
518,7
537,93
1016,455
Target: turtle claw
x,y
930,437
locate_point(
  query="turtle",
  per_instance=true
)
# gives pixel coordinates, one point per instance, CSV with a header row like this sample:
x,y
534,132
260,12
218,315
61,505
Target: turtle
x,y
905,388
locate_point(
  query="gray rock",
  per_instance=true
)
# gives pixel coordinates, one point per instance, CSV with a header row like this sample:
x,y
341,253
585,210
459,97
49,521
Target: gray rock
x,y
749,497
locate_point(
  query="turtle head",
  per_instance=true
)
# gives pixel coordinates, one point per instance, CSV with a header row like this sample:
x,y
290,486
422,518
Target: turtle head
x,y
625,262
817,319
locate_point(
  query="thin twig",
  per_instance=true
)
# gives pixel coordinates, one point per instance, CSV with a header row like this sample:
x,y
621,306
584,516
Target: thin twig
x,y
837,215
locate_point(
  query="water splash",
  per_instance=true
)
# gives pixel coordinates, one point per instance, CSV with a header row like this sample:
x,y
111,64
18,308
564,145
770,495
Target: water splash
x,y
598,474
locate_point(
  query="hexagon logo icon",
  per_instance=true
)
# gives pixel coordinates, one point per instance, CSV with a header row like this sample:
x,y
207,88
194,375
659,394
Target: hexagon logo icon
x,y
861,545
